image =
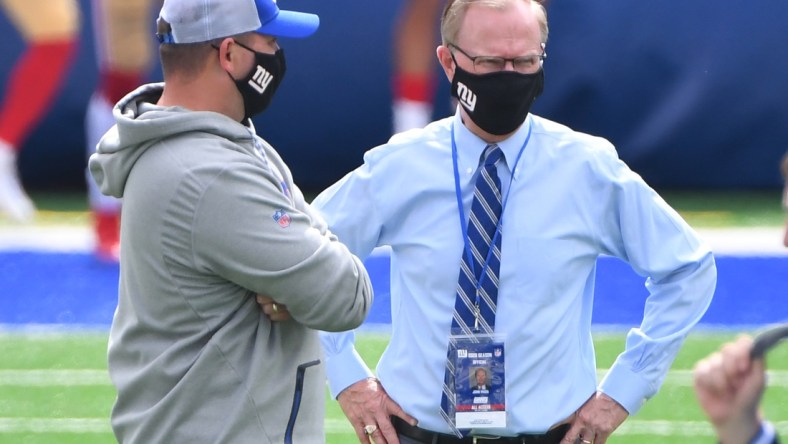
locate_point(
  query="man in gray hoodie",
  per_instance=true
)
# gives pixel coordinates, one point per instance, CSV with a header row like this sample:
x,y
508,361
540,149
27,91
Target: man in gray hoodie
x,y
211,218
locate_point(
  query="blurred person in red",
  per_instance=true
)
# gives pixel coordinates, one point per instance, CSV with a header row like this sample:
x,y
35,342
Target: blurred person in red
x,y
413,81
122,30
50,29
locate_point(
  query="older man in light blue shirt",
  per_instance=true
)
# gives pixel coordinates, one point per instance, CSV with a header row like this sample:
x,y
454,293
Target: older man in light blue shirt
x,y
571,200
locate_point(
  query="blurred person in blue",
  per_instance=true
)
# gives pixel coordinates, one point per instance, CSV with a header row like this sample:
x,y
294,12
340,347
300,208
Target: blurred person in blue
x,y
495,219
729,385
211,218
50,29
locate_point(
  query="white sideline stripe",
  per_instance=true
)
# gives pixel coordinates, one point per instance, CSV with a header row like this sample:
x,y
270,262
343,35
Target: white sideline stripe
x,y
758,241
755,241
46,378
62,239
101,425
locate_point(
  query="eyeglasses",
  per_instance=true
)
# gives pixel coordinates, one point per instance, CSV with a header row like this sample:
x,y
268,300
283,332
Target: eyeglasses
x,y
528,64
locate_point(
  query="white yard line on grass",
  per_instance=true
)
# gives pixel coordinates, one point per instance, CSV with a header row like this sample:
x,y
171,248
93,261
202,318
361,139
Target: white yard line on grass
x,y
55,425
46,378
333,426
74,377
99,377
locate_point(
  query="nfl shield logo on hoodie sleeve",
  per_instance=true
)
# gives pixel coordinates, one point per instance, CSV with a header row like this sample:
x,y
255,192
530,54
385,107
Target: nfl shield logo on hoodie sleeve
x,y
282,218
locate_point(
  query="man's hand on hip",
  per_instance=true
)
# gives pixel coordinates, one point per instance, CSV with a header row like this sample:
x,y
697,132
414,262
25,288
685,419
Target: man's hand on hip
x,y
595,420
369,408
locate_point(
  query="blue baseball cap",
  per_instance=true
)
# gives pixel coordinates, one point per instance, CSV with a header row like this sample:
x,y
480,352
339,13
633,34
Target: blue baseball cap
x,y
196,21
280,23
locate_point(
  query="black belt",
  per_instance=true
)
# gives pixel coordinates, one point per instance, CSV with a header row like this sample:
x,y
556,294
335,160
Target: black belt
x,y
553,436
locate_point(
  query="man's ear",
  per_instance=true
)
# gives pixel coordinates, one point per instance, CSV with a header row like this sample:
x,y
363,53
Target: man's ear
x,y
446,61
228,54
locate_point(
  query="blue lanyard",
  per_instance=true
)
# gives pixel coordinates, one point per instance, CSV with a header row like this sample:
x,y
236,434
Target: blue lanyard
x,y
464,227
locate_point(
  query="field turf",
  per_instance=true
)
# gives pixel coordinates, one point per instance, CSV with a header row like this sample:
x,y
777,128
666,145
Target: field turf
x,y
54,388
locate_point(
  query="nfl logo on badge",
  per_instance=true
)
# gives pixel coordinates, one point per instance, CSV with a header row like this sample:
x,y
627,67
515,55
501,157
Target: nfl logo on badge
x,y
282,218
497,352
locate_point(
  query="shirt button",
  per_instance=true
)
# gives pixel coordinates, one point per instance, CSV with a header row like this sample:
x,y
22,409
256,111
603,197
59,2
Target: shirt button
x,y
469,171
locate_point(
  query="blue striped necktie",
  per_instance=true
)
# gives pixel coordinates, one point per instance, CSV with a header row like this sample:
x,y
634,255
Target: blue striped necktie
x,y
482,224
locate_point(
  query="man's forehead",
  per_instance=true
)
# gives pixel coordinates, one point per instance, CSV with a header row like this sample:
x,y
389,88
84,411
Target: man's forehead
x,y
487,25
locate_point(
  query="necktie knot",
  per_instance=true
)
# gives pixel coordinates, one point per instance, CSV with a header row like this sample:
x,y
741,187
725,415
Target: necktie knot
x,y
491,155
477,288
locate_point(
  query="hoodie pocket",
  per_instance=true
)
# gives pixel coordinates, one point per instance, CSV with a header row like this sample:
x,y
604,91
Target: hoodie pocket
x,y
299,388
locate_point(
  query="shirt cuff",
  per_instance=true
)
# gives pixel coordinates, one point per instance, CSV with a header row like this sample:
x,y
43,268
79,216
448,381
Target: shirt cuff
x,y
766,434
344,369
626,387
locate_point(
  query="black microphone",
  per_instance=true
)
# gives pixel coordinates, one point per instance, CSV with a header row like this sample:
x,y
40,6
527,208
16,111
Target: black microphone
x,y
764,341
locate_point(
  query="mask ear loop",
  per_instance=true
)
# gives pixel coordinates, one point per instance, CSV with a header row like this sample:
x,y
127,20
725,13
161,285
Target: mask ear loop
x,y
214,46
767,340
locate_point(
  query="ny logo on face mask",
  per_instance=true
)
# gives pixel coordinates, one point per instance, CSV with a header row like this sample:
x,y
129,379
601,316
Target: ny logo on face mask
x,y
260,80
466,96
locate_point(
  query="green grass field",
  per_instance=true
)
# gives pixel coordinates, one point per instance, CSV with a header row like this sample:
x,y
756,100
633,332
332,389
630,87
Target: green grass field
x,y
54,388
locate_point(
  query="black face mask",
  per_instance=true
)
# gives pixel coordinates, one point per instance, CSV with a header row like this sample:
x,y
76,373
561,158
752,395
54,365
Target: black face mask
x,y
258,87
497,102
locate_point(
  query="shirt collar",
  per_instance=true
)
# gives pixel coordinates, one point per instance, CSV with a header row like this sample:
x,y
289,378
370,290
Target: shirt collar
x,y
470,146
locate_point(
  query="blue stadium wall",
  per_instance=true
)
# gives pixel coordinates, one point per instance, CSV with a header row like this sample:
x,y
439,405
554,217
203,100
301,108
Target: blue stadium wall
x,y
694,94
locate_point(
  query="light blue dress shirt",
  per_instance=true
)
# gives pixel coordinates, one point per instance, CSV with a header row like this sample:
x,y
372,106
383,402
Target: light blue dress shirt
x,y
571,201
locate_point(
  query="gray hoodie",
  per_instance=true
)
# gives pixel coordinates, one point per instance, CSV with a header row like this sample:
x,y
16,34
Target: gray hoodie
x,y
210,218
